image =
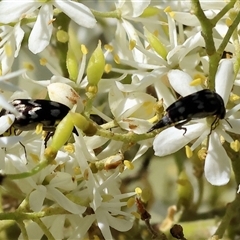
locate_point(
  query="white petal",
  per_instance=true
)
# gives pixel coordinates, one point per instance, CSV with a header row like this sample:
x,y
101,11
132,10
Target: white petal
x,y
6,105
180,81
139,7
64,202
135,125
36,198
6,122
232,125
217,164
172,139
224,79
18,34
9,141
186,18
78,12
63,181
65,94
82,228
12,11
144,146
42,30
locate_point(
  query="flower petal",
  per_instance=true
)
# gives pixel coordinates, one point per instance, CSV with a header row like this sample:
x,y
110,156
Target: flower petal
x,y
180,81
172,139
42,30
64,202
217,164
232,125
12,11
37,197
78,12
224,79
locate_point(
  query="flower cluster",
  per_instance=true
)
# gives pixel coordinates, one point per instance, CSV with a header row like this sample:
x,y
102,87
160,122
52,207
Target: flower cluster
x,y
66,171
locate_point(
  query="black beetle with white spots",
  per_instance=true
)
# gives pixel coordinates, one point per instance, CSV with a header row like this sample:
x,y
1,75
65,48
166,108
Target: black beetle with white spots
x,y
197,105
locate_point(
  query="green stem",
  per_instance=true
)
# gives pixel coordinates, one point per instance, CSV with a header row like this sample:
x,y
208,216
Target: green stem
x,y
232,208
222,12
30,173
229,34
127,137
19,216
23,230
113,14
44,229
207,34
206,26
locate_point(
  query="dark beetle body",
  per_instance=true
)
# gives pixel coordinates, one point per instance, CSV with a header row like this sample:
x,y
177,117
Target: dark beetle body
x,y
35,111
197,105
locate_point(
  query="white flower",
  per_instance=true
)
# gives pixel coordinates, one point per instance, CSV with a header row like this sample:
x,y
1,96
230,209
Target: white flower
x,y
42,30
217,164
106,200
11,38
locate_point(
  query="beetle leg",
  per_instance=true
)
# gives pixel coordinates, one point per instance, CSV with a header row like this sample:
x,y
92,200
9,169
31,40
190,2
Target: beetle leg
x,y
180,125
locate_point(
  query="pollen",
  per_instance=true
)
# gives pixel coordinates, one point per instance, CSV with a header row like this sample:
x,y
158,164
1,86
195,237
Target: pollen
x,y
132,44
39,128
77,170
108,47
43,61
196,82
202,153
84,49
168,9
128,165
69,148
188,151
130,202
234,97
62,36
138,190
228,22
235,146
136,215
35,157
28,66
8,49
108,68
117,59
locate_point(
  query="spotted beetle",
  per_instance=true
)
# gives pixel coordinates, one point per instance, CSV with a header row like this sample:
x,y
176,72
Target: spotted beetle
x,y
34,112
200,104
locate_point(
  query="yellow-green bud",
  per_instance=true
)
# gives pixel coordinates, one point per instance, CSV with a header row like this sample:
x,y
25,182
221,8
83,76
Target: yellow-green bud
x,y
156,44
82,123
72,65
63,132
95,66
150,11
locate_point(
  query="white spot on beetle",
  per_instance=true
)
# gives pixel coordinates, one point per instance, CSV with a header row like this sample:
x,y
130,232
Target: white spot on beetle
x,y
55,104
55,112
181,109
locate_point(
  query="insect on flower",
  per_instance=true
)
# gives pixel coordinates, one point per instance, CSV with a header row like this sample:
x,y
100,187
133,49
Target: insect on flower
x,y
197,105
34,112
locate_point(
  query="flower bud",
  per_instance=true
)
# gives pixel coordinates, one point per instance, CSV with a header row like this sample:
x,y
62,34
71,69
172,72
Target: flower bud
x,y
96,66
156,44
82,123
